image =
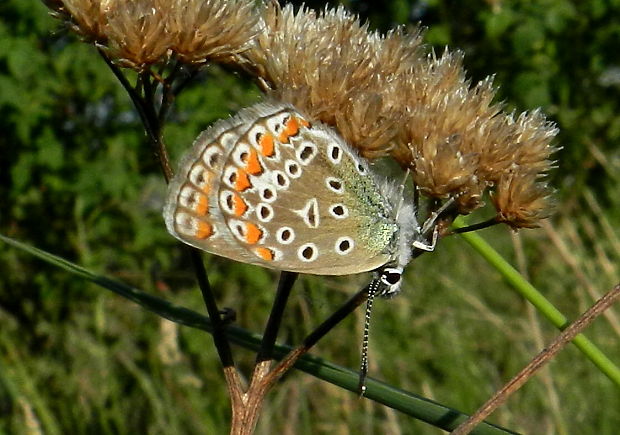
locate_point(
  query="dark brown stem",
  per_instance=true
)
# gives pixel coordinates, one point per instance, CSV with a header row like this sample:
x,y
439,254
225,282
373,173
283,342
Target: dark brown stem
x,y
285,285
539,361
245,418
168,94
136,98
143,98
346,309
246,412
476,227
219,326
192,71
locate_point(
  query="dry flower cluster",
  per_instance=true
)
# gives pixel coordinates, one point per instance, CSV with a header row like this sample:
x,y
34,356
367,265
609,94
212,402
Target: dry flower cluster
x,y
140,33
381,92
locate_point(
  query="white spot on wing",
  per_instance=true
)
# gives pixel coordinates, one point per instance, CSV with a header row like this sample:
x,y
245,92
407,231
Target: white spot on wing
x,y
344,245
199,176
306,151
310,213
334,153
339,211
308,252
292,169
211,155
264,212
334,184
285,235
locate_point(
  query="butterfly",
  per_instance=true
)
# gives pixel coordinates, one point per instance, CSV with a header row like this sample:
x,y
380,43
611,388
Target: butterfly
x,y
272,188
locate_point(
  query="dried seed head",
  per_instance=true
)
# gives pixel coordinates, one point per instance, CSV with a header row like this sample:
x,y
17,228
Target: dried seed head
x,y
139,33
136,33
521,200
58,10
384,97
210,30
525,142
443,115
441,171
379,91
458,143
88,18
331,67
534,136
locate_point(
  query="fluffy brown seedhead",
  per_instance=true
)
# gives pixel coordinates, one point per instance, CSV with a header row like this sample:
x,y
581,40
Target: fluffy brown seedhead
x,y
139,33
521,199
88,18
387,98
136,33
214,30
332,67
381,92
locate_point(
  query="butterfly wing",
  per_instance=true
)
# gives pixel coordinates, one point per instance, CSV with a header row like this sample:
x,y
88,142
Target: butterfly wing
x,y
192,212
285,194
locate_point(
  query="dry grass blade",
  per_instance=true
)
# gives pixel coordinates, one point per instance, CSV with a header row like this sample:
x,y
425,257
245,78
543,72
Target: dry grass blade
x,y
539,361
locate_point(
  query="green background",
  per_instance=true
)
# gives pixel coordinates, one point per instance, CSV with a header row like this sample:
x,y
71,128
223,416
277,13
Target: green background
x,y
77,179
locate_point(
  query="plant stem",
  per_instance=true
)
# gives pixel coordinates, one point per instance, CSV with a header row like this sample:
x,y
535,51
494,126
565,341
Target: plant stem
x,y
285,285
539,361
542,304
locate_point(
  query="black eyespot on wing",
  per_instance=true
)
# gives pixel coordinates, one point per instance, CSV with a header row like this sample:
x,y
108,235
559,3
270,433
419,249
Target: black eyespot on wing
x,y
292,169
335,152
267,193
265,212
306,153
286,235
307,252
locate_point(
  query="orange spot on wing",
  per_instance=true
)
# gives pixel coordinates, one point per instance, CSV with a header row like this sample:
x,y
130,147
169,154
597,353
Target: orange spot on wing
x,y
205,229
239,205
303,122
265,253
252,165
242,180
267,146
202,206
291,128
252,233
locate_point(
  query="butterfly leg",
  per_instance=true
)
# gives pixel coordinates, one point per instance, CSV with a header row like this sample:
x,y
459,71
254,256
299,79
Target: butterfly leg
x,y
423,245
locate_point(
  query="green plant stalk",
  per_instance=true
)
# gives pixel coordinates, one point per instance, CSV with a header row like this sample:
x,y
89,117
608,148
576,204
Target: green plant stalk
x,y
542,304
411,404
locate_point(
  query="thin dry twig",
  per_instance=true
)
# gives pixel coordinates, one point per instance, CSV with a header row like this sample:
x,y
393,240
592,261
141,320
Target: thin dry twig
x,y
143,95
539,361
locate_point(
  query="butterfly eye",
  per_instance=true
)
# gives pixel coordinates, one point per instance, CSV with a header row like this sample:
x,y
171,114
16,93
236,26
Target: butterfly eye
x,y
391,277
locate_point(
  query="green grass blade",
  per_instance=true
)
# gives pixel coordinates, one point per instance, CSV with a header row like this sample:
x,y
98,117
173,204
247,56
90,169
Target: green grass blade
x,y
542,304
415,406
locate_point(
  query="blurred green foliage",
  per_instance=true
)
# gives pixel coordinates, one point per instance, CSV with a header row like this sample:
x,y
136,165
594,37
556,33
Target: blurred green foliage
x,y
78,179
